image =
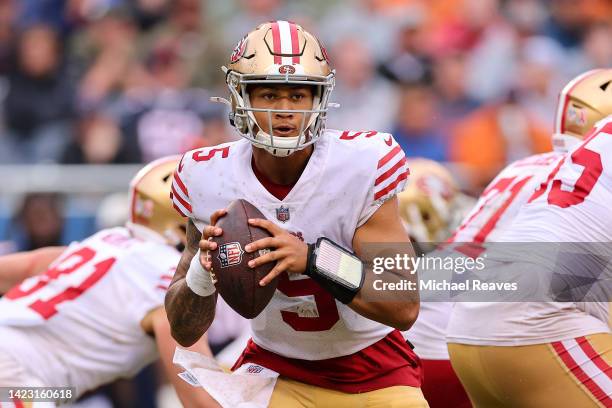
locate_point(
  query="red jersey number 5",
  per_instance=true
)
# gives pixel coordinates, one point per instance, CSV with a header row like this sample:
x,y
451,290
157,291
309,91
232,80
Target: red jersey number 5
x,y
592,169
326,305
591,161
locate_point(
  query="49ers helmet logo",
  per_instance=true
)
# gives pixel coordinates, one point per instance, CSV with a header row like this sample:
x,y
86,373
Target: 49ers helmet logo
x,y
286,69
238,50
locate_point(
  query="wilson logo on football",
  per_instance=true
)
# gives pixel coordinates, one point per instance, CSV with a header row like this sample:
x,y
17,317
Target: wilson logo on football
x,y
230,254
238,50
286,69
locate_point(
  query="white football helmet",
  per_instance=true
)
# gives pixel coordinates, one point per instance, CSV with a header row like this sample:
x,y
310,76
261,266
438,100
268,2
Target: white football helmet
x,y
584,101
278,52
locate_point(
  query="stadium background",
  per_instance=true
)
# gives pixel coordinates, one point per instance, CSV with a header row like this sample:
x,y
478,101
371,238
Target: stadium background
x,y
91,88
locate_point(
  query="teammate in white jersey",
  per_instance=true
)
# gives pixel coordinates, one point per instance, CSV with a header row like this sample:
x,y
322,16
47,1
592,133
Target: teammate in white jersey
x,y
501,200
95,314
431,206
330,343
544,354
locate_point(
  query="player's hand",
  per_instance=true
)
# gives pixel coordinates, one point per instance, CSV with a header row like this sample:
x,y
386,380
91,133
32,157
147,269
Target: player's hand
x,y
288,251
206,244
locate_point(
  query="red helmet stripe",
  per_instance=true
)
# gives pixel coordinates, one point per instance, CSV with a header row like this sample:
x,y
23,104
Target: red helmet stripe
x,y
295,44
276,40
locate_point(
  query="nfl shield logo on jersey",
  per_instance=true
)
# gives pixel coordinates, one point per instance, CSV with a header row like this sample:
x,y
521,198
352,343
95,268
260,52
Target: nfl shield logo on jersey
x,y
282,213
230,254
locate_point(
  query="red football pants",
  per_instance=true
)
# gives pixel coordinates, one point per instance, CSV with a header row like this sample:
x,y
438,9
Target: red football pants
x,y
441,387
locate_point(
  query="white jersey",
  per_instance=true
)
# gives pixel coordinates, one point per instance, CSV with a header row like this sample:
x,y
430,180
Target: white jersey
x,y
493,213
572,206
347,178
499,203
78,324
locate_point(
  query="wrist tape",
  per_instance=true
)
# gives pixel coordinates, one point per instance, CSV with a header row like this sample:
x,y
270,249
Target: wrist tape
x,y
198,279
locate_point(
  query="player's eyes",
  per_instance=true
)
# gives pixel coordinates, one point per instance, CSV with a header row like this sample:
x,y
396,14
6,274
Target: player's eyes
x,y
297,97
268,96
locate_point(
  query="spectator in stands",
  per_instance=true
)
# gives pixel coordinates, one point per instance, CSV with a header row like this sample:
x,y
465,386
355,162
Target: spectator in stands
x,y
39,223
365,99
48,12
107,49
449,76
493,136
362,19
8,9
489,45
415,127
166,117
149,13
99,140
596,48
526,16
567,22
39,104
540,75
410,61
185,32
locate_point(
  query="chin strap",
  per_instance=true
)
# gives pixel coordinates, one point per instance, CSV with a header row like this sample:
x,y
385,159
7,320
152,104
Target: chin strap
x,y
283,146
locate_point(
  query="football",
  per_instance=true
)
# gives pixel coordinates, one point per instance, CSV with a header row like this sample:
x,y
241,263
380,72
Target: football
x,y
237,283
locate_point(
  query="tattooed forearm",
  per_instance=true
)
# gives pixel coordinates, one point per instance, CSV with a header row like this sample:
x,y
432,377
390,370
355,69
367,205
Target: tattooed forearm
x,y
189,314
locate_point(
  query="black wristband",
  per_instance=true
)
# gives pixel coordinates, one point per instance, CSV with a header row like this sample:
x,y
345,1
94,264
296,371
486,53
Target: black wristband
x,y
336,286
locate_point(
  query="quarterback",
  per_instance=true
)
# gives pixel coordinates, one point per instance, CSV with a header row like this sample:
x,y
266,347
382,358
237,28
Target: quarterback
x,y
95,314
330,343
503,351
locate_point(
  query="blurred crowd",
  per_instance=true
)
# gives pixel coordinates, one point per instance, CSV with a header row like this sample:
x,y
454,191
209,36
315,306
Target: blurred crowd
x,y
127,81
471,82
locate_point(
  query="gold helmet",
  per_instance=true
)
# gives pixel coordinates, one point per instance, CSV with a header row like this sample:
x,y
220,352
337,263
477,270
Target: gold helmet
x,y
431,205
151,214
583,101
278,52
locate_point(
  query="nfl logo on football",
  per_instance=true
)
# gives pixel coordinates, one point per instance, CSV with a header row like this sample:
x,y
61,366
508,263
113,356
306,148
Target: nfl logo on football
x,y
230,254
282,213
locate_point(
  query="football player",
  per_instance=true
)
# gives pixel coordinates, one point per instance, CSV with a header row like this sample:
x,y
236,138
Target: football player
x,y
544,354
582,102
431,206
95,314
333,341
